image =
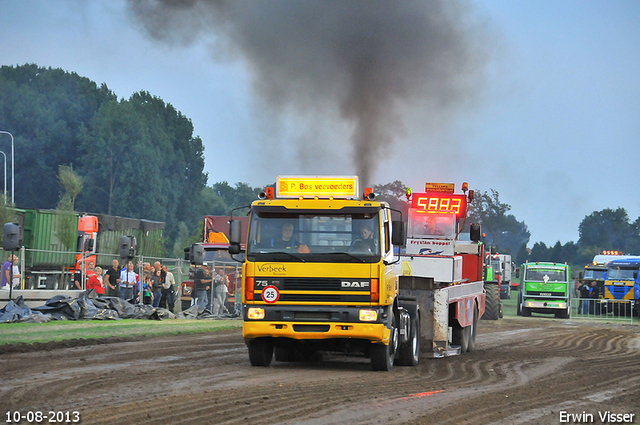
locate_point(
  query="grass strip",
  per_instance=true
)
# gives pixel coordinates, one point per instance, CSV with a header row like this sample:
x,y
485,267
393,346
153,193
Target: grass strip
x,y
14,333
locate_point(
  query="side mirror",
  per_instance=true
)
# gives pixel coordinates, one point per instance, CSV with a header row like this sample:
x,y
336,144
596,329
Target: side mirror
x,y
398,235
196,254
235,234
12,237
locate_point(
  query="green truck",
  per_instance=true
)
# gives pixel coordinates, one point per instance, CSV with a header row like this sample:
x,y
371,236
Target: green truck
x,y
545,288
48,263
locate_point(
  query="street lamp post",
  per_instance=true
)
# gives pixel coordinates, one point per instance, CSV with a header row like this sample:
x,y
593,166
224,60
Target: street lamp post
x,y
13,166
5,176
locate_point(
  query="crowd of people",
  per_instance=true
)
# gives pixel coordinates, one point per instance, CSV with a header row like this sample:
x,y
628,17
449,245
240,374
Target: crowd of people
x,y
203,279
158,284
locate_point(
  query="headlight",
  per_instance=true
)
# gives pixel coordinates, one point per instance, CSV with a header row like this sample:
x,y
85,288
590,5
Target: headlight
x,y
255,313
368,315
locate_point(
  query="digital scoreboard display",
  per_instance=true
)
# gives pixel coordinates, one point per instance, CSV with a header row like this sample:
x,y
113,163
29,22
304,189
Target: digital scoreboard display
x,y
438,202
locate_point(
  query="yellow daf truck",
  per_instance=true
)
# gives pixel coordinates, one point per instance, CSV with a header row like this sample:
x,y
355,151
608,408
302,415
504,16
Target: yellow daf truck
x,y
321,273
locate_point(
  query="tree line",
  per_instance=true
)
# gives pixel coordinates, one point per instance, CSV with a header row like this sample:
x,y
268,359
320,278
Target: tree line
x,y
135,157
609,229
80,148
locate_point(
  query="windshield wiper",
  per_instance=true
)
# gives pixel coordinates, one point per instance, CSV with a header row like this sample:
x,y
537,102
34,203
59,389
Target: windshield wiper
x,y
343,253
289,254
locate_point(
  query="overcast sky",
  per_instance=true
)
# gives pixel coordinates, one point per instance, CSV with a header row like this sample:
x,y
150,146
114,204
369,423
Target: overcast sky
x,y
554,126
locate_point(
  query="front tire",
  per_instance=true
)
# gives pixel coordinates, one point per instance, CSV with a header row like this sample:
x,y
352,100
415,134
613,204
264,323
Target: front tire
x,y
260,351
383,356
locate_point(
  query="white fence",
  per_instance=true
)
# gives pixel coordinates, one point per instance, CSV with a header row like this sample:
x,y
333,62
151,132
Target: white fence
x,y
590,308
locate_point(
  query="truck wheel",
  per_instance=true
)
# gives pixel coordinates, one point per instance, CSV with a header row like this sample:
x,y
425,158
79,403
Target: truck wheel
x,y
410,351
284,354
519,304
383,356
460,336
472,334
563,314
260,351
492,303
526,312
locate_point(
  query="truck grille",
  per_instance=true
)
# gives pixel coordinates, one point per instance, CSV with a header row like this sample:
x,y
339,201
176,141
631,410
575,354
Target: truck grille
x,y
327,290
310,284
546,294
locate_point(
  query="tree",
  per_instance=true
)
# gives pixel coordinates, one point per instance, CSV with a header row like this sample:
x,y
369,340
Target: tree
x,y
539,252
606,230
395,194
7,214
67,225
503,230
45,109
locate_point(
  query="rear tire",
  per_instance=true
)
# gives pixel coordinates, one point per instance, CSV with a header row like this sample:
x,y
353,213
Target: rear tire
x,y
472,334
461,337
410,351
260,351
492,303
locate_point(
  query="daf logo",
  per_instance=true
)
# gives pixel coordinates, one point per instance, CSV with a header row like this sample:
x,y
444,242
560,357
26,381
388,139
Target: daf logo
x,y
355,284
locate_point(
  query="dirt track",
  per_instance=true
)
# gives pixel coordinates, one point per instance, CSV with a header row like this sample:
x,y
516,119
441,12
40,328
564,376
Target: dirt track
x,y
524,371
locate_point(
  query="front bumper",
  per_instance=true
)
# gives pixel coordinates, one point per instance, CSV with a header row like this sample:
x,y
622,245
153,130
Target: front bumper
x,y
313,323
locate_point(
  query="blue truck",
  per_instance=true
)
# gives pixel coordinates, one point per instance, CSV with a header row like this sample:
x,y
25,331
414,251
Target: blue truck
x,y
622,286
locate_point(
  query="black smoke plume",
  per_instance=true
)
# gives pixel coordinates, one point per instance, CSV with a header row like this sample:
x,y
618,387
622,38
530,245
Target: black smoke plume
x,y
376,64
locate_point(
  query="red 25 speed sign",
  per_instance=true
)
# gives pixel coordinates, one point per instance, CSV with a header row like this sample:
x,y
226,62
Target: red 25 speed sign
x,y
270,294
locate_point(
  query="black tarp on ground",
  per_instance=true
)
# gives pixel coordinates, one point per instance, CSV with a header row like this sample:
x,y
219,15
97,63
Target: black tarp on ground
x,y
90,306
17,311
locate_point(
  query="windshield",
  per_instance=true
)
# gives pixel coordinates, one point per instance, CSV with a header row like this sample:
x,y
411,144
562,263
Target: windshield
x,y
594,274
426,225
314,237
622,273
546,275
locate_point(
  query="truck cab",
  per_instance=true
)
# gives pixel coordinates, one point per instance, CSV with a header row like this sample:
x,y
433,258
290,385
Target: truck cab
x,y
546,288
622,285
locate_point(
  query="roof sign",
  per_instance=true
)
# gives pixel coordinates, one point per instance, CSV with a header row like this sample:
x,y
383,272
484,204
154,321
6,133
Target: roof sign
x,y
440,187
320,186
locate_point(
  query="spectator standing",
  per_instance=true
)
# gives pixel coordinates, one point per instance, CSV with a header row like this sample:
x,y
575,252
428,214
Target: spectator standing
x,y
7,270
16,276
113,279
201,286
168,299
156,287
594,294
583,305
147,296
219,289
128,279
77,280
96,282
90,269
